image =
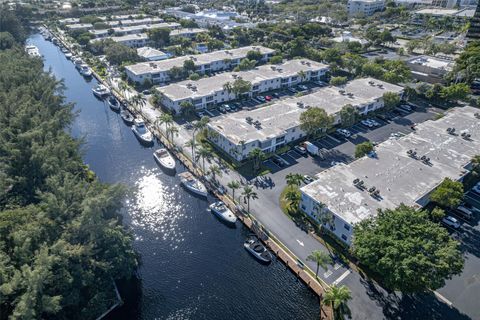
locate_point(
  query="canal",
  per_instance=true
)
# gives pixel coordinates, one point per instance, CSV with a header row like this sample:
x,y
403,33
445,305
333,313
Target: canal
x,y
192,265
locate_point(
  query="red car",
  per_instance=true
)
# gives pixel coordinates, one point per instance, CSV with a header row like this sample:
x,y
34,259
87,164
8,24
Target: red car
x,y
268,98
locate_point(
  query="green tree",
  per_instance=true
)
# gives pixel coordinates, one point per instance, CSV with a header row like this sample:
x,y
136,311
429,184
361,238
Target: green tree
x,y
234,185
293,196
187,108
294,179
160,36
254,55
256,155
391,100
189,66
166,119
338,81
315,120
171,132
395,244
448,194
176,73
337,297
363,148
6,40
277,59
458,91
246,64
240,87
215,171
204,154
248,194
194,76
349,115
118,54
321,258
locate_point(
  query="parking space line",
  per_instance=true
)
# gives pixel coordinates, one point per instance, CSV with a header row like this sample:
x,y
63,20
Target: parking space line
x,y
327,274
343,276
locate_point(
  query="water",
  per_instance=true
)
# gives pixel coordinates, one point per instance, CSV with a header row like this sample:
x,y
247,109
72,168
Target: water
x,y
193,266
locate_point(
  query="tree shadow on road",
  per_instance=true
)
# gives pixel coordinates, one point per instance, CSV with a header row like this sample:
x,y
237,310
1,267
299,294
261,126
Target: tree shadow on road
x,y
411,307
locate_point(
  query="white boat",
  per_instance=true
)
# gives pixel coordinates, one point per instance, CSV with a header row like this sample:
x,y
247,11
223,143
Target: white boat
x,y
32,51
127,116
193,184
101,91
222,212
257,249
68,55
113,103
78,63
85,71
141,131
164,159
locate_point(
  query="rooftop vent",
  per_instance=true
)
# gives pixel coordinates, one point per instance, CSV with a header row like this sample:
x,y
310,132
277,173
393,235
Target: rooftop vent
x,y
477,115
308,63
466,136
249,120
412,154
342,92
358,183
273,68
302,62
451,131
380,86
425,159
372,83
350,94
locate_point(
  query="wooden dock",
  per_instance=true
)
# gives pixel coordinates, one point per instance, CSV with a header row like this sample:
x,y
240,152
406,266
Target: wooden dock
x,y
282,253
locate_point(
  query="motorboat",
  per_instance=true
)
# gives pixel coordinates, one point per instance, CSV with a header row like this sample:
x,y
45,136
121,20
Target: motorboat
x,y
222,212
85,70
141,131
32,51
101,91
78,63
113,103
68,55
257,249
127,116
192,184
164,159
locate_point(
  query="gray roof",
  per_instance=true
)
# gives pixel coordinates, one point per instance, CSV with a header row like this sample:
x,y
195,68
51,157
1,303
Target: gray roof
x,y
285,114
205,58
148,52
207,86
400,178
183,31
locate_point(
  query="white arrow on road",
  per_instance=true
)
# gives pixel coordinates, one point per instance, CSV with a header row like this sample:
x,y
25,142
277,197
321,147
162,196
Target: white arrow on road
x,y
300,242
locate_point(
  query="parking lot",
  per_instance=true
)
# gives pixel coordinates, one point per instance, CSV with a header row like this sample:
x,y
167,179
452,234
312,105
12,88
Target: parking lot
x,y
462,291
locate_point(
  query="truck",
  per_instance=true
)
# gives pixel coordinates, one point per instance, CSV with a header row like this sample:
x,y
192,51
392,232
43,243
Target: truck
x,y
311,148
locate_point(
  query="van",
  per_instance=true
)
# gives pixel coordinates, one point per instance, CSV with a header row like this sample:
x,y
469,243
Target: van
x,y
464,212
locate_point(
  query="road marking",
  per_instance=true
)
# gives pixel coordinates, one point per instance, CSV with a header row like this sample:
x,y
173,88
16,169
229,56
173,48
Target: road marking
x,y
439,296
337,266
327,274
300,242
343,276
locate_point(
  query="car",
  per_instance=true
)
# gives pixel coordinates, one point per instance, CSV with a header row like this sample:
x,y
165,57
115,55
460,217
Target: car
x,y
268,98
476,188
261,99
344,132
276,94
227,108
292,90
367,123
405,107
300,150
222,109
451,222
307,179
200,114
278,161
334,163
375,123
302,87
464,212
146,92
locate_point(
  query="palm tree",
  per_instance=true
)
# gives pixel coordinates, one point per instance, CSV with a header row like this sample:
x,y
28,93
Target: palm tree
x,y
138,100
215,171
337,297
191,143
172,131
203,153
322,259
228,87
256,155
293,197
166,119
123,87
302,75
233,185
294,179
248,194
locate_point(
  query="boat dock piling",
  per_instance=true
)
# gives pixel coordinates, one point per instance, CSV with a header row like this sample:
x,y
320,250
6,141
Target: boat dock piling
x,y
282,253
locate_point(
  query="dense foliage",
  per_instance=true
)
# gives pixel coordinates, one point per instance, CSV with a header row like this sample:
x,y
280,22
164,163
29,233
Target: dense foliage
x,y
61,239
407,250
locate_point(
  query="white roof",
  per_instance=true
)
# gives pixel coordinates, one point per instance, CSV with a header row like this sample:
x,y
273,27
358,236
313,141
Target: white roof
x,y
148,52
433,62
398,177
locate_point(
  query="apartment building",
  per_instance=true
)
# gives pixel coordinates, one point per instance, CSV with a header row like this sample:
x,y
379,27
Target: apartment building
x,y
208,92
275,125
405,170
158,72
364,7
429,69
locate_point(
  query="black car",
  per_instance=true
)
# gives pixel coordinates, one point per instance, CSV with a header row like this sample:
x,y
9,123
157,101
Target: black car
x,y
278,161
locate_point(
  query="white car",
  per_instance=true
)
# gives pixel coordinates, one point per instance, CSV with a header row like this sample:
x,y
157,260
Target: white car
x,y
303,87
451,221
375,123
367,123
344,132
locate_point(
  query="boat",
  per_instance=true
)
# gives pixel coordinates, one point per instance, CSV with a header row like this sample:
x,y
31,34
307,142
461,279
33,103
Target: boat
x,y
78,63
54,40
68,55
113,103
164,159
127,116
141,131
193,184
101,91
85,71
257,249
222,212
32,51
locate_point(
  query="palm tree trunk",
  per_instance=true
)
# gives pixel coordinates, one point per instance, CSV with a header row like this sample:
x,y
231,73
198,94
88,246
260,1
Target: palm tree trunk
x,y
316,273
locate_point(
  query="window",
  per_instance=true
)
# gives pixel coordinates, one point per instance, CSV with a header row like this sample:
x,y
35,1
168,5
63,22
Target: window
x,y
344,237
346,226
